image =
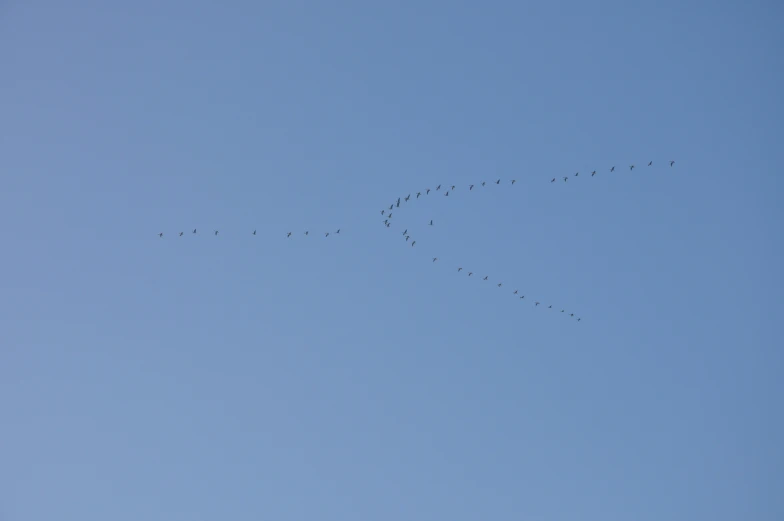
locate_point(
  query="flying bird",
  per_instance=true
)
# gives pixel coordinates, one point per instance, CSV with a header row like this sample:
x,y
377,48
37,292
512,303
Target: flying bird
x,y
254,232
431,222
386,221
483,183
536,304
571,314
288,235
407,237
438,187
553,180
578,173
522,297
612,169
391,206
485,278
307,232
181,233
499,284
160,235
387,225
326,234
405,231
579,319
389,216
672,163
453,188
338,231
412,243
649,164
631,167
427,191
566,179
471,187
398,200
498,182
514,181
418,194
549,307
447,193
216,232
408,197
194,230
470,273
459,270
515,292
382,212
397,204
593,173
435,259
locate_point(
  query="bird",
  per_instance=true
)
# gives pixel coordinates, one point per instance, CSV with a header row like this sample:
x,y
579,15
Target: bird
x,y
612,169
536,304
418,194
435,259
498,182
386,221
514,181
562,311
391,206
390,216
453,188
431,222
483,183
549,307
382,212
397,204
408,197
438,187
631,167
649,164
405,231
398,200
578,173
412,243
326,234
522,297
579,319
181,233
407,237
288,235
447,193
338,231
593,173
672,163
427,191
160,235
459,270
485,278
194,230
216,232
515,292
307,232
470,273
566,179
499,284
553,180
471,187
254,232
571,314
387,225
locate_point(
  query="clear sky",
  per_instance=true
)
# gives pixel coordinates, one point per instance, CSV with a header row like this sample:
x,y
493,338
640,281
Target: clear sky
x,y
349,377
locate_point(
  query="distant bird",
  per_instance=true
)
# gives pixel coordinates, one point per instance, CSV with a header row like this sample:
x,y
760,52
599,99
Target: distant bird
x,y
431,222
672,163
427,191
514,181
388,225
306,233
216,232
631,167
536,304
438,187
483,183
566,179
471,187
562,311
382,212
288,235
498,182
553,180
579,319
453,188
160,235
515,292
612,169
338,231
470,273
389,215
499,284
397,204
571,314
593,173
326,234
649,164
405,231
412,243
408,197
459,270
386,221
435,259
398,200
254,232
447,193
522,297
549,307
194,230
485,278
578,173
418,194
407,237
181,233
391,206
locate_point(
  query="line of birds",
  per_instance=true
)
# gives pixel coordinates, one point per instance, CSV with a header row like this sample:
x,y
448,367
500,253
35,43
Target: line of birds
x,y
288,234
387,212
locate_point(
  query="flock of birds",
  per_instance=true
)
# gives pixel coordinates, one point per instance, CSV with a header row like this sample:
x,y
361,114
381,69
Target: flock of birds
x,y
387,214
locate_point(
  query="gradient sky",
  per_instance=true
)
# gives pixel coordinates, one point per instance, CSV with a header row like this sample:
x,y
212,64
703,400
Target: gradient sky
x,y
351,378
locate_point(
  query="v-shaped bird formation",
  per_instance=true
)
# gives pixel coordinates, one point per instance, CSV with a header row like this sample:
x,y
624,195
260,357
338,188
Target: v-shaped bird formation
x,y
422,194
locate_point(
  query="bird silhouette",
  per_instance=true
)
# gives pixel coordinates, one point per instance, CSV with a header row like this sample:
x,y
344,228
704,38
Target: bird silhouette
x,y
216,232
326,234
418,194
498,182
405,231
471,187
160,235
407,237
514,181
631,167
254,232
181,233
307,232
453,188
499,284
338,231
427,191
553,180
593,173
649,164
536,304
447,193
431,222
612,169
382,212
408,197
412,243
578,173
435,259
485,278
438,187
549,307
459,270
391,206
288,235
579,319
515,292
672,163
194,230
483,183
522,297
470,273
566,179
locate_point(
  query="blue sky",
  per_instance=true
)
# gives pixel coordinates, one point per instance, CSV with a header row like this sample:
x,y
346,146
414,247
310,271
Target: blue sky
x,y
350,377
